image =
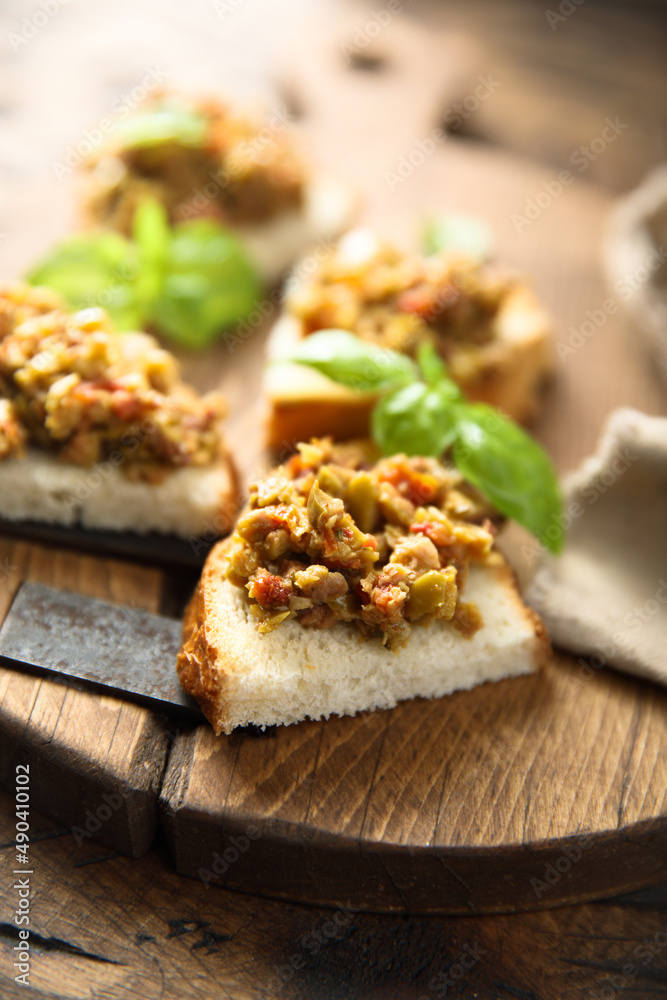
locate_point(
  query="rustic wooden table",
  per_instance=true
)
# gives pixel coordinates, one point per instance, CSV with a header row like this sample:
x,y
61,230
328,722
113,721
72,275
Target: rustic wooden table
x,y
106,925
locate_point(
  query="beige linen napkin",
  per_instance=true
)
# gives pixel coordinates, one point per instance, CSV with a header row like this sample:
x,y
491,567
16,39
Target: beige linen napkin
x,y
605,597
636,260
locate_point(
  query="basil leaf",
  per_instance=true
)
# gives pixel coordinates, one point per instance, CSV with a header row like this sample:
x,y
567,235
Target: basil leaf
x,y
352,362
416,420
151,234
431,365
511,469
190,282
168,123
464,233
434,371
209,284
95,269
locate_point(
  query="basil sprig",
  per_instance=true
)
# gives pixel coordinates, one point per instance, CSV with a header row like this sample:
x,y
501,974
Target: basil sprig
x,y
511,469
421,411
346,359
416,419
189,282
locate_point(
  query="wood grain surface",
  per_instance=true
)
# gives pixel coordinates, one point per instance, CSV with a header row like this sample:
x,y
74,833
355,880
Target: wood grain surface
x,y
458,805
108,927
105,925
82,747
473,803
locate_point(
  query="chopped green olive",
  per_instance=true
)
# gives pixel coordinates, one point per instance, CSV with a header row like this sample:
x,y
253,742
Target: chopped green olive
x,y
428,593
321,506
330,482
361,501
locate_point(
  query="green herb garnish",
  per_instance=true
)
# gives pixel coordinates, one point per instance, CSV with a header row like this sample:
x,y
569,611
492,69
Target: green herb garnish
x,y
421,411
167,123
94,269
189,282
209,282
350,361
464,233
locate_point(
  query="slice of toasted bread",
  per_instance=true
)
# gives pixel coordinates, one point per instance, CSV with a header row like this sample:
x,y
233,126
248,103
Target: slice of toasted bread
x,y
189,502
162,462
239,676
507,373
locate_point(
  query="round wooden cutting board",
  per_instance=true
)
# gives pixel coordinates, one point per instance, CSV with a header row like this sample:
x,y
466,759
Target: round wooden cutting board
x,y
528,793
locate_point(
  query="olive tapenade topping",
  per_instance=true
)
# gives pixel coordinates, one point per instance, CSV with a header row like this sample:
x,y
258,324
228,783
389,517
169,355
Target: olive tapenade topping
x,y
72,386
335,536
20,302
399,301
242,170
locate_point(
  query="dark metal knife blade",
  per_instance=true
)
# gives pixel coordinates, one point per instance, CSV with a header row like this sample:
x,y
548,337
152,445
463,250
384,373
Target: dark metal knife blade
x,y
116,649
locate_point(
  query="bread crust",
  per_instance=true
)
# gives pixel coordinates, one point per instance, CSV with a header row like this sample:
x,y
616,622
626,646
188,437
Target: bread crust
x,y
509,374
201,666
194,665
542,647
